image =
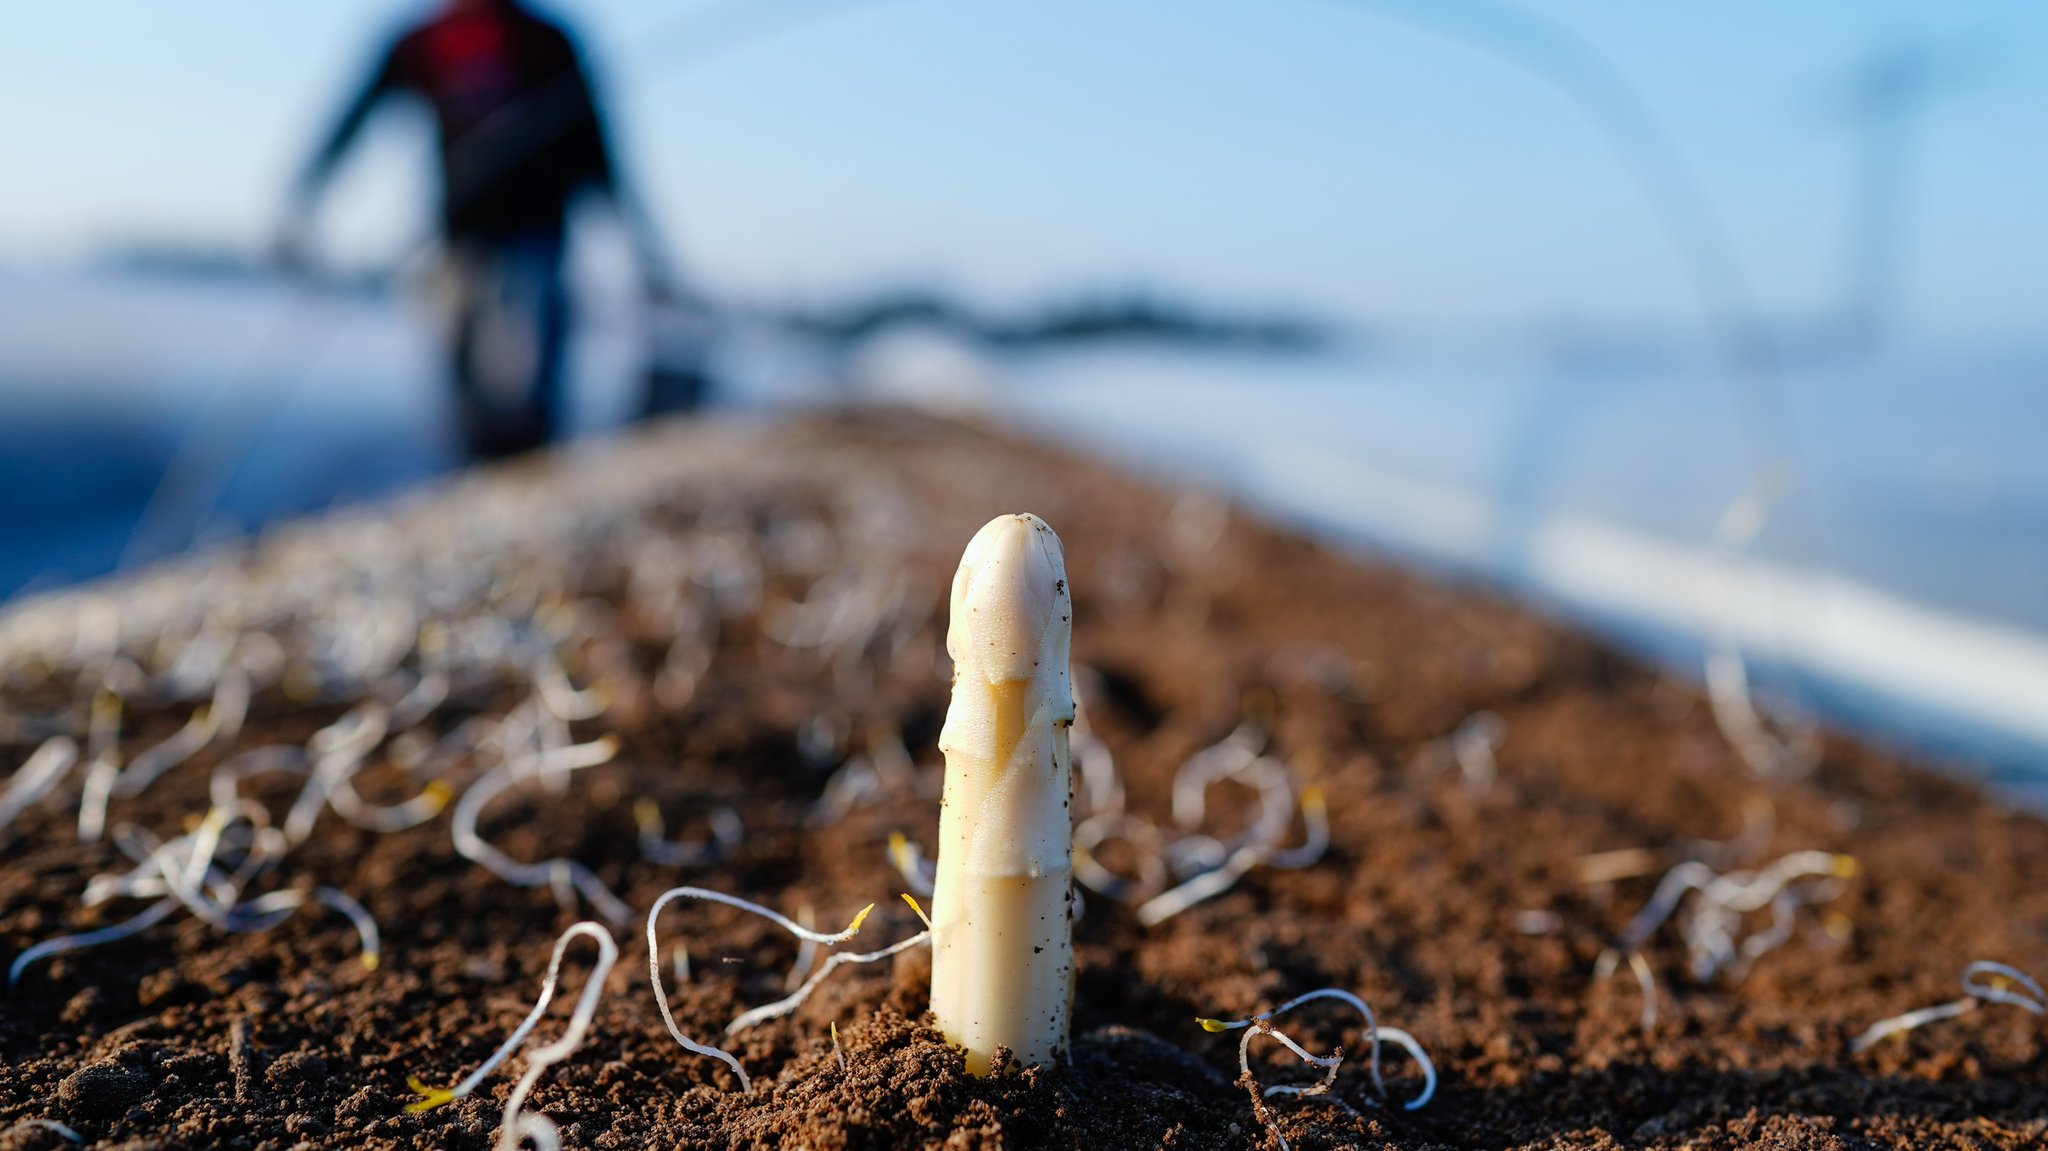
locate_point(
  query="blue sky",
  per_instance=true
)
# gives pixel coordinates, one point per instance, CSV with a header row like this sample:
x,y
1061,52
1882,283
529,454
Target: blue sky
x,y
1320,152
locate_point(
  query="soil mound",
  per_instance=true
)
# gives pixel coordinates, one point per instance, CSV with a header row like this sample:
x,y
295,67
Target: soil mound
x,y
714,656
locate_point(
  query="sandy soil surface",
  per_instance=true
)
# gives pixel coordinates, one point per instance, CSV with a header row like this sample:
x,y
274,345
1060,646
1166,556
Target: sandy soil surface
x,y
755,617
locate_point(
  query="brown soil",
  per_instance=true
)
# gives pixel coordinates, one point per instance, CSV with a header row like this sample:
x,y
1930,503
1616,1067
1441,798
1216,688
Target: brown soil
x,y
187,1037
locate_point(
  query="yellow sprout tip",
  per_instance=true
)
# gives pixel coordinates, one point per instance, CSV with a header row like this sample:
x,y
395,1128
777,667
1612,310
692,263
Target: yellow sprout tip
x,y
859,918
646,813
1312,799
1845,865
438,794
369,960
835,1031
429,1097
610,743
898,845
912,901
1213,1025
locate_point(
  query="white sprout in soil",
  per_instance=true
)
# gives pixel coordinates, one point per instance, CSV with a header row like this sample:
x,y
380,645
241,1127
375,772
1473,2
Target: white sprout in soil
x,y
1093,761
154,914
1473,744
1759,823
1375,1035
337,750
781,1006
726,832
336,774
430,690
103,748
516,1125
186,871
918,869
37,775
561,697
1713,924
1258,846
221,718
1768,755
1204,865
1148,849
806,950
885,769
853,784
1977,990
1712,932
1610,962
566,877
224,788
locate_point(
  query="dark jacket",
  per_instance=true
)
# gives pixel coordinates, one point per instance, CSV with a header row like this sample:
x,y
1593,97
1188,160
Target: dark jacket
x,y
519,124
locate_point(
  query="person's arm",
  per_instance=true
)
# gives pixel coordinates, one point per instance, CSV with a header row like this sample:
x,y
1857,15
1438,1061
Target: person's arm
x,y
657,272
312,179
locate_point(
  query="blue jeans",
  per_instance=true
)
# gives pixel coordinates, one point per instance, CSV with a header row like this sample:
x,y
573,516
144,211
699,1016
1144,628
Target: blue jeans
x,y
511,328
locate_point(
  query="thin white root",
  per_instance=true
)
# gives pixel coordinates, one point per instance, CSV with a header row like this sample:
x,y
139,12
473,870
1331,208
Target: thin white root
x,y
151,916
1375,1035
1473,746
1096,830
337,751
726,832
806,951
1413,1047
1712,925
1204,865
917,869
790,1003
1207,885
1898,1024
560,697
1767,755
516,1125
1261,848
186,742
1977,990
768,1011
2001,977
36,776
1648,983
187,872
564,875
359,916
1315,819
274,759
1610,961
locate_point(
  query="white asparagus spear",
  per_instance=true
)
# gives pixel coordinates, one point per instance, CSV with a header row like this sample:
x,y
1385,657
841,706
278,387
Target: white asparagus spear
x,y
1002,938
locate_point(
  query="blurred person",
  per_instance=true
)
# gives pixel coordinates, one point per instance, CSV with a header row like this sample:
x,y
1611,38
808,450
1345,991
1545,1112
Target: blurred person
x,y
521,135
